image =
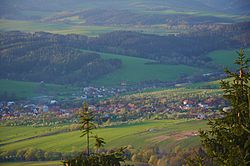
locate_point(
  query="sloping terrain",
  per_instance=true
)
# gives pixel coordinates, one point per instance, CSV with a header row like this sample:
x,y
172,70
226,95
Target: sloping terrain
x,y
15,8
114,57
44,57
96,17
123,135
15,90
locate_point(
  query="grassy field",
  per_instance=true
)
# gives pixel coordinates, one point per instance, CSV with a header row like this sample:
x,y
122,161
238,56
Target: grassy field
x,y
76,27
17,133
226,57
58,28
32,163
138,135
31,89
138,69
68,21
49,163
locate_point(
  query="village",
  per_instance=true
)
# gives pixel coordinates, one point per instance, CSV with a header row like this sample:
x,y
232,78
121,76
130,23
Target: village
x,y
123,108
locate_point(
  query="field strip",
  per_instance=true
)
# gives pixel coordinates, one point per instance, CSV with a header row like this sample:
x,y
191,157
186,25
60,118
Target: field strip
x,y
36,136
177,136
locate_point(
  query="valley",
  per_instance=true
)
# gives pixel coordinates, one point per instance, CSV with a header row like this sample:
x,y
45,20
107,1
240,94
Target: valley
x,y
140,81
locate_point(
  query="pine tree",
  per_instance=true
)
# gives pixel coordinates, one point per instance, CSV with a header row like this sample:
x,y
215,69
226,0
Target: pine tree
x,y
228,140
87,125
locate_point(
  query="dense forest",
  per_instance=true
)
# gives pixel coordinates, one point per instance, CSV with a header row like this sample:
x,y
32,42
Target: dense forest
x,y
188,49
56,58
37,57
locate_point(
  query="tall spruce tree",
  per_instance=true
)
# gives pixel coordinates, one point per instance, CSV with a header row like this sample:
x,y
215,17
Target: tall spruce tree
x,y
87,125
227,142
94,159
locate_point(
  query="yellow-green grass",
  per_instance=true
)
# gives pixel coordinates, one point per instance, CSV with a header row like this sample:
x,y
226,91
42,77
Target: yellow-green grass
x,y
23,89
138,135
58,28
135,69
10,134
213,84
7,25
32,163
50,163
226,57
219,81
17,133
75,27
175,92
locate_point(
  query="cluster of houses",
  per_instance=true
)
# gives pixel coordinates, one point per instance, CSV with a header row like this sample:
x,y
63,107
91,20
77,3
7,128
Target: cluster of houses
x,y
91,92
21,112
130,109
112,109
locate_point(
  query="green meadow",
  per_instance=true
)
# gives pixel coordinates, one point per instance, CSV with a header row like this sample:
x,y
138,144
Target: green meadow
x,y
32,163
164,133
50,163
20,132
22,89
76,27
226,57
57,28
138,70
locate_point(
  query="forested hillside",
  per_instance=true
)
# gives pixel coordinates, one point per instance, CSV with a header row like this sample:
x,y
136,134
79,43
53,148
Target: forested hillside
x,y
56,58
188,49
44,57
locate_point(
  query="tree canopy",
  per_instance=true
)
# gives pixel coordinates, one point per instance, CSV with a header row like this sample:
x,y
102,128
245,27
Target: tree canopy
x,y
227,142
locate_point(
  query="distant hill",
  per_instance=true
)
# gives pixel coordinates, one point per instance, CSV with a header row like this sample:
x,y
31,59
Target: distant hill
x,y
29,9
60,59
235,6
95,17
45,57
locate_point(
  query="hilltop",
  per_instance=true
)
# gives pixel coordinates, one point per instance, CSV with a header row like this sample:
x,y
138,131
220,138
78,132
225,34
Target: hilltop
x,y
96,17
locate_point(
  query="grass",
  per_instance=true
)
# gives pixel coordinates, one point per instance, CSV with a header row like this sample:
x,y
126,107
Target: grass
x,y
58,28
211,85
76,27
49,163
226,57
137,70
137,135
31,89
32,163
20,132
8,25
